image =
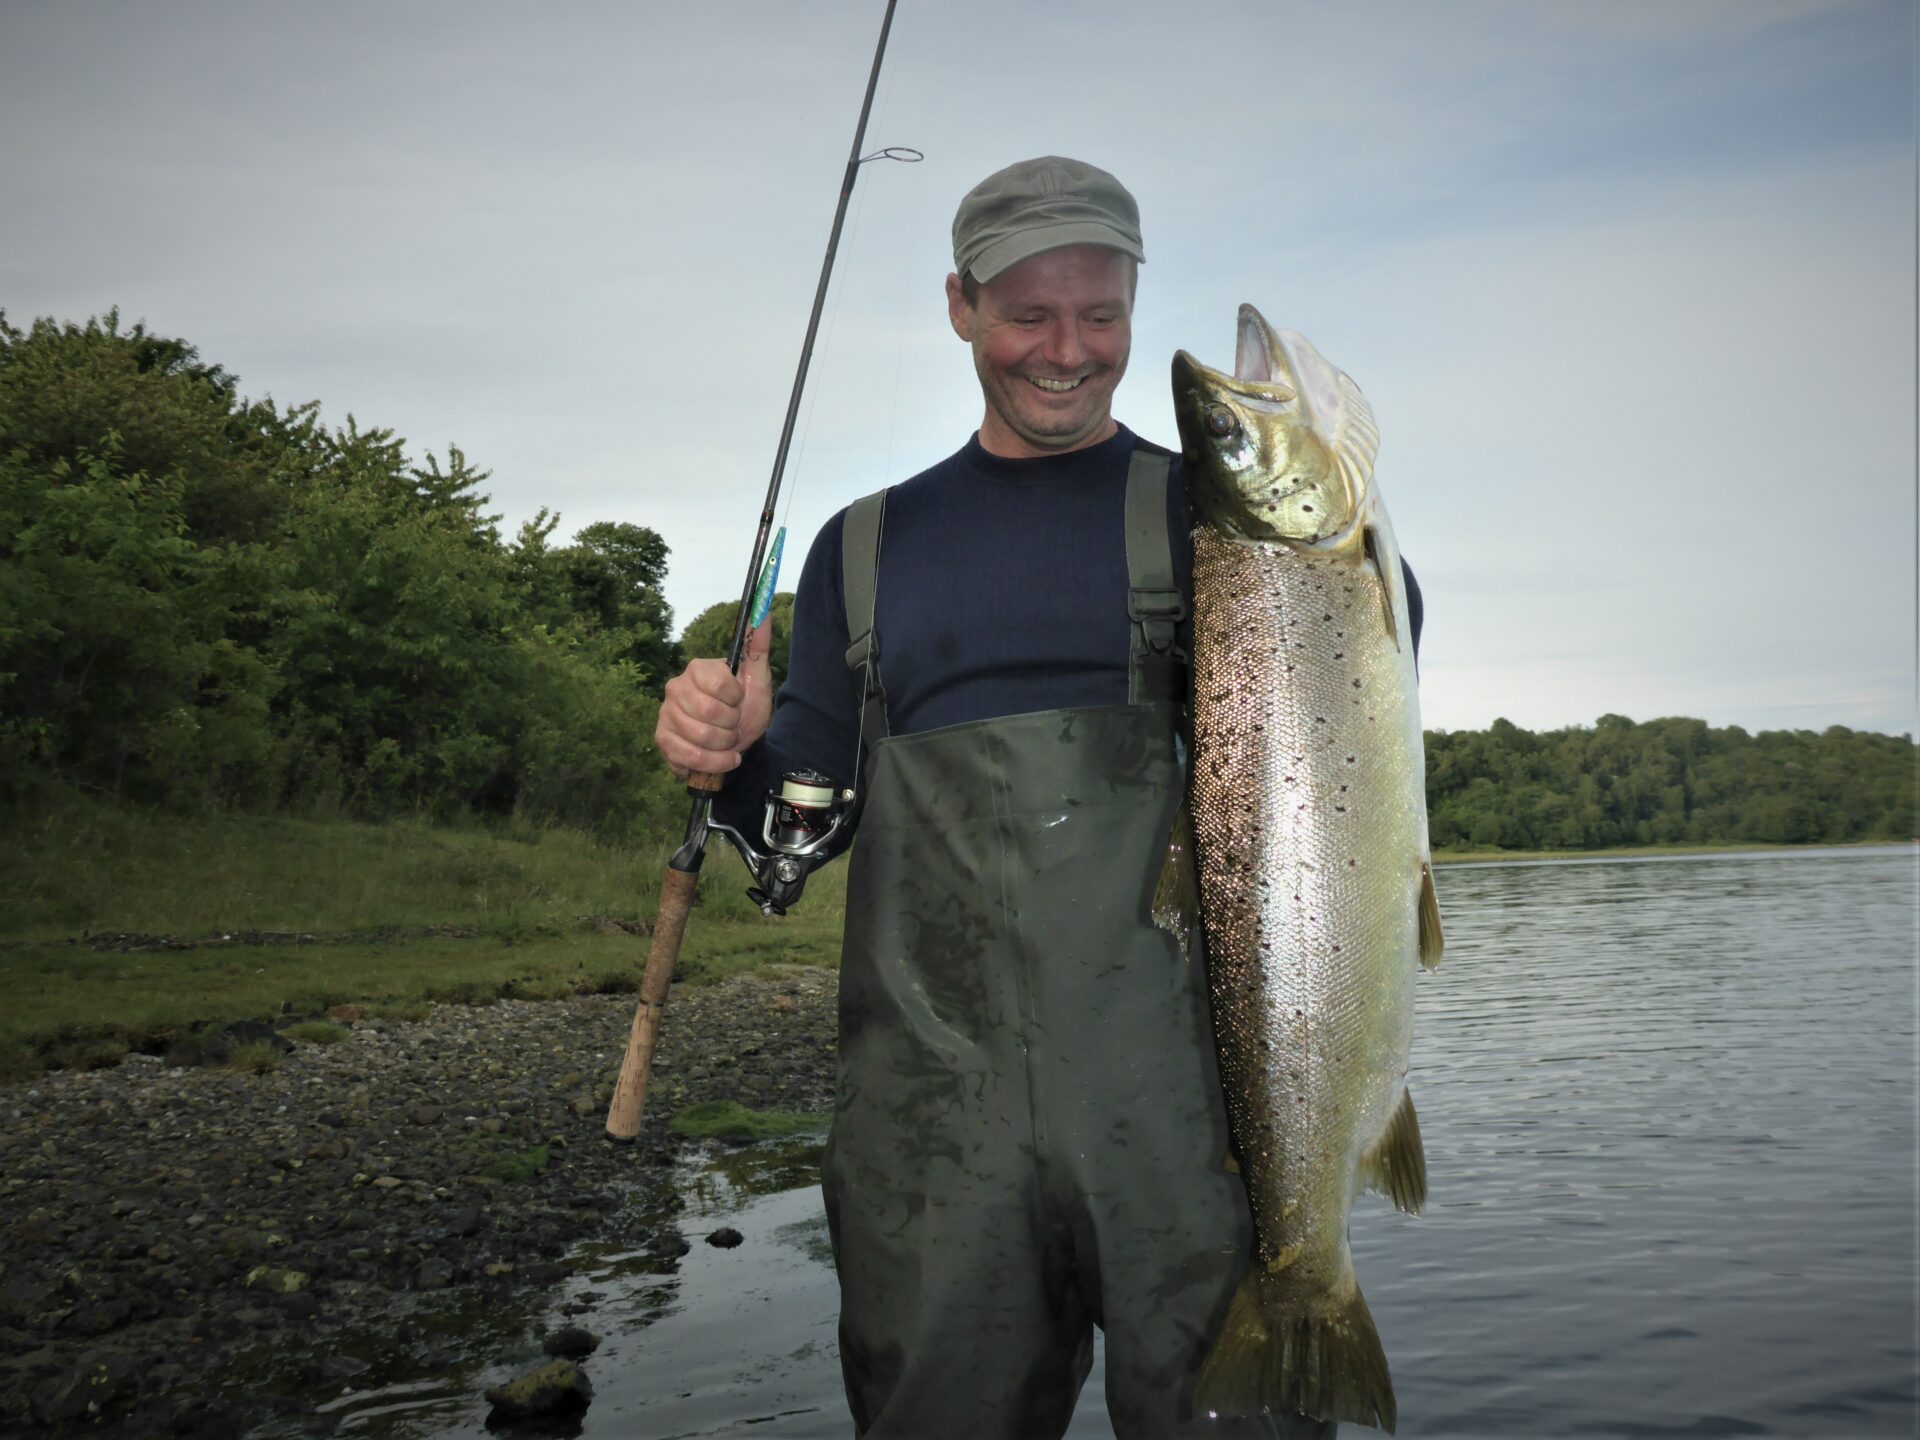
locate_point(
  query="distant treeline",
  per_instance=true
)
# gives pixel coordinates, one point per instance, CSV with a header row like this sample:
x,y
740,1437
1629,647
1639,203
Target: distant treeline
x,y
209,601
1672,781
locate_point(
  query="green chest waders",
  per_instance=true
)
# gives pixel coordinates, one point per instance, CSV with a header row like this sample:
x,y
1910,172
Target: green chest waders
x,y
1029,1133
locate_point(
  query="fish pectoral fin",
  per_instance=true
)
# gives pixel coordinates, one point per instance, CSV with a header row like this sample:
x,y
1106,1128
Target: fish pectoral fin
x,y
1397,1166
1176,898
1432,943
1389,581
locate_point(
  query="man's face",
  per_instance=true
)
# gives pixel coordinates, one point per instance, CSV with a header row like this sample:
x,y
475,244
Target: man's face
x,y
1050,338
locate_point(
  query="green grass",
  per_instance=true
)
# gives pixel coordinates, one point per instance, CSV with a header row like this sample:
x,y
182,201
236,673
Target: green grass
x,y
730,1120
519,913
255,1058
519,1166
316,1032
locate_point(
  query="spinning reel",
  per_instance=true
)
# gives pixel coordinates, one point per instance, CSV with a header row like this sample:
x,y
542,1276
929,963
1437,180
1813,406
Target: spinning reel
x,y
800,820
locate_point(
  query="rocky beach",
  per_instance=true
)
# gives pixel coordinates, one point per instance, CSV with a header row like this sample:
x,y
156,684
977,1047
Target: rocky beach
x,y
194,1250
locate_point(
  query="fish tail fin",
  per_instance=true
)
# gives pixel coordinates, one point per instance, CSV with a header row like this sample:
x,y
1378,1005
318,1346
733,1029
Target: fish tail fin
x,y
1283,1352
1397,1166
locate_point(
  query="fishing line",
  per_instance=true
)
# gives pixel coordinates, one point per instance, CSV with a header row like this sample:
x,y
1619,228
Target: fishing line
x,y
826,346
906,155
881,101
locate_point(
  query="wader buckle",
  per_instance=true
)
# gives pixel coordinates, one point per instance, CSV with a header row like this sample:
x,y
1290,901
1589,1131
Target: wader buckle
x,y
1158,613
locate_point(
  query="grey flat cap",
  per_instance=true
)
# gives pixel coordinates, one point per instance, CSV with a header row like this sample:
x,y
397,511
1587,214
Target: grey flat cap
x,y
1041,205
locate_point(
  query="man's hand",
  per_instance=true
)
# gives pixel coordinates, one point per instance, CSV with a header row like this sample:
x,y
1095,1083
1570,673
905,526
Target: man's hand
x,y
709,715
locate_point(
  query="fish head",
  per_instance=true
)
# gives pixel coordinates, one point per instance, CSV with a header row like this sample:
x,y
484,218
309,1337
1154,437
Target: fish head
x,y
1282,449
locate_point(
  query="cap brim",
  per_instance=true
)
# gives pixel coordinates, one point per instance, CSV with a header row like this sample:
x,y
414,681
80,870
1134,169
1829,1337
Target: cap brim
x,y
1004,254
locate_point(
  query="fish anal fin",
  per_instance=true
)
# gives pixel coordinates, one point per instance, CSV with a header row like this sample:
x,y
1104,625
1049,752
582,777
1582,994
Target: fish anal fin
x,y
1283,1351
1176,898
1432,943
1389,580
1397,1166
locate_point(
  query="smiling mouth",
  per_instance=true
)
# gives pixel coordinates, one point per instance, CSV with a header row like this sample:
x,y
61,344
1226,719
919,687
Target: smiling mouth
x,y
1055,387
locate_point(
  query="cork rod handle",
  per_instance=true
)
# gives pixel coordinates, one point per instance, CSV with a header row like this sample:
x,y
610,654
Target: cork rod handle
x,y
669,924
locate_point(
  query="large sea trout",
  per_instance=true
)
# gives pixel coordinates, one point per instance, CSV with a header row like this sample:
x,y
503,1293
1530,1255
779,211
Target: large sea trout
x,y
1309,830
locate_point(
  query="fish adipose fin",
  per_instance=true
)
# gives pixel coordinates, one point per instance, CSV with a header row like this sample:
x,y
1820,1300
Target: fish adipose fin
x,y
1397,1166
1176,898
1432,943
1282,1351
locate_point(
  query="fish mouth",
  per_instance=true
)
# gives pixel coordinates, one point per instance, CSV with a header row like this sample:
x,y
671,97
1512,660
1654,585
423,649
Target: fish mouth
x,y
1261,377
1258,357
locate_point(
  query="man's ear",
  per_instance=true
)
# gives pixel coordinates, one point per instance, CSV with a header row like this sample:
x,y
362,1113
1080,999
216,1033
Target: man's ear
x,y
959,313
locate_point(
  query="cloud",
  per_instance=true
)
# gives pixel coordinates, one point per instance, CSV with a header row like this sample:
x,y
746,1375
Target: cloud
x,y
1630,285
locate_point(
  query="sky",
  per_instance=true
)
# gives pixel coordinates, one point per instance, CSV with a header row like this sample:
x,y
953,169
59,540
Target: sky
x,y
1630,284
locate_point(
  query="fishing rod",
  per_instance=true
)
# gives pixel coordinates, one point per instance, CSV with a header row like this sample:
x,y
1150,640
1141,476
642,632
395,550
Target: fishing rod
x,y
806,812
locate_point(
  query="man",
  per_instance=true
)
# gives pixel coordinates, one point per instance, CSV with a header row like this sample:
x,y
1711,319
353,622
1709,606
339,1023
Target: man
x,y
1029,1136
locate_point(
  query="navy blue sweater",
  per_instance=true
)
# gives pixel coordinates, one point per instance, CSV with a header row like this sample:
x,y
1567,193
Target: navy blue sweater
x,y
1002,590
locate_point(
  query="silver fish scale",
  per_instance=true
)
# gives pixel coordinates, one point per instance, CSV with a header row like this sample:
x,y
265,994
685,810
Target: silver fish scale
x,y
1309,824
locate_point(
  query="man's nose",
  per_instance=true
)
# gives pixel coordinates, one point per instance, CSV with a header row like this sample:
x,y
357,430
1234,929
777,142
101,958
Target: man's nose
x,y
1063,347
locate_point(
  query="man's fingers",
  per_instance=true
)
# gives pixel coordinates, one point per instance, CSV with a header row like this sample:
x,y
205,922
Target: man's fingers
x,y
713,679
685,760
687,709
701,718
706,749
759,643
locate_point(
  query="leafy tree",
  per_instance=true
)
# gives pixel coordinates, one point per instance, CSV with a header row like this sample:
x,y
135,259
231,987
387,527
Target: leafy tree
x,y
609,584
65,389
204,598
1669,780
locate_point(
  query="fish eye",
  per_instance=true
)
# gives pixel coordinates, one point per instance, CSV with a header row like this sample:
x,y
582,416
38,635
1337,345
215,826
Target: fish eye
x,y
1221,422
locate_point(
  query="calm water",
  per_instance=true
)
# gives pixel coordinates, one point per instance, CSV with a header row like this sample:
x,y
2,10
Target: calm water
x,y
1669,1109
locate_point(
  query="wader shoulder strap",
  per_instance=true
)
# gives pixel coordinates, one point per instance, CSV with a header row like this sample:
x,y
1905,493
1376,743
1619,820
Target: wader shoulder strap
x,y
860,579
1156,668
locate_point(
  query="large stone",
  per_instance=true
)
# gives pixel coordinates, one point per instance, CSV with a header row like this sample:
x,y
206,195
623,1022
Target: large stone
x,y
275,1280
571,1342
556,1388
